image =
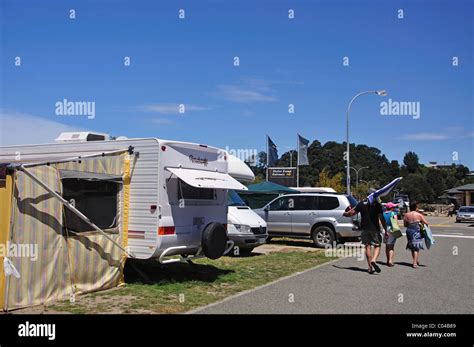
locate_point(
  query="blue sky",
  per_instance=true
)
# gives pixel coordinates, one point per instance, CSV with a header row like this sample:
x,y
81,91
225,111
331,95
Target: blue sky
x,y
282,61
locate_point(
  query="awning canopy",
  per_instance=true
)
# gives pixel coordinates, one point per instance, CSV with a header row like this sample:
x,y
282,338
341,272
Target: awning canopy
x,y
270,188
90,176
207,179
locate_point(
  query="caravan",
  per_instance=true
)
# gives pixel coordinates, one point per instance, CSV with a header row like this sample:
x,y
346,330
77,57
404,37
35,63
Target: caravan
x,y
177,199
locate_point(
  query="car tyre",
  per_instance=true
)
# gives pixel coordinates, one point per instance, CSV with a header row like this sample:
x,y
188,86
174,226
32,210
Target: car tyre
x,y
322,236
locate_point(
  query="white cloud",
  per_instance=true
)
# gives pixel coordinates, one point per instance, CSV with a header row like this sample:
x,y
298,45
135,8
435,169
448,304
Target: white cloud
x,y
245,94
425,137
170,108
21,128
447,134
251,89
161,121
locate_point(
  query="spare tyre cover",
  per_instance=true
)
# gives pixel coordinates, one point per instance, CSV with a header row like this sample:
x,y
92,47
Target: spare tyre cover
x,y
214,240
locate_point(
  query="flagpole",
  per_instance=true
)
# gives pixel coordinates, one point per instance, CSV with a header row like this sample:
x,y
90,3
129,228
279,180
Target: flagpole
x,y
297,162
267,161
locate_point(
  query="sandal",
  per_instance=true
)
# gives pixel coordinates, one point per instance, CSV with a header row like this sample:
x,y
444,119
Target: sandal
x,y
370,271
376,267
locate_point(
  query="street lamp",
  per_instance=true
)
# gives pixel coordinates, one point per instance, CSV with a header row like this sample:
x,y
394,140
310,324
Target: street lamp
x,y
357,173
348,173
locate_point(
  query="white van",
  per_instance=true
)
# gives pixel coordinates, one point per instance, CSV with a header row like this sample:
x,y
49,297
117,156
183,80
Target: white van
x,y
178,191
245,228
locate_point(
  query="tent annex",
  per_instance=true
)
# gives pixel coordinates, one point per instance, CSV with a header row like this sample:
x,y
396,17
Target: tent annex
x,y
74,212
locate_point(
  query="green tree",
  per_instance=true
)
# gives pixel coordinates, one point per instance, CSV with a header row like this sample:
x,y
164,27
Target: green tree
x,y
418,189
334,182
411,162
435,179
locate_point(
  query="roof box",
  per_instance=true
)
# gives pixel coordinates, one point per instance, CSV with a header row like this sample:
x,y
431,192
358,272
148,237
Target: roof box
x,y
81,136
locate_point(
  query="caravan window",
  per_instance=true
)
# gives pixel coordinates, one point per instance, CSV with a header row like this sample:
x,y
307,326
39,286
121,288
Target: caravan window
x,y
96,199
186,191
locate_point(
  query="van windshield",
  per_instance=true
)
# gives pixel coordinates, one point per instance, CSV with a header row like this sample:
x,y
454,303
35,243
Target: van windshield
x,y
233,199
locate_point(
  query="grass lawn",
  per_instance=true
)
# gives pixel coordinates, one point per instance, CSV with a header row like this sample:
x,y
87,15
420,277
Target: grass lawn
x,y
176,288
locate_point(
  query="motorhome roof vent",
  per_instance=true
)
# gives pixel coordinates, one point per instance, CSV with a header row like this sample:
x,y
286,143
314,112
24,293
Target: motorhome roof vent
x,y
81,136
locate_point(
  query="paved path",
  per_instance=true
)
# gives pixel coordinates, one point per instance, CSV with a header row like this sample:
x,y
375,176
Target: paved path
x,y
443,285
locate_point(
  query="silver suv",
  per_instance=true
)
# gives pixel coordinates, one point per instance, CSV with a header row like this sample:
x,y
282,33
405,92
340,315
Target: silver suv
x,y
316,216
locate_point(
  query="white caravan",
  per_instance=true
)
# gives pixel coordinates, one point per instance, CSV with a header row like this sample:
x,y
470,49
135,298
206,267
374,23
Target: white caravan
x,y
245,228
178,191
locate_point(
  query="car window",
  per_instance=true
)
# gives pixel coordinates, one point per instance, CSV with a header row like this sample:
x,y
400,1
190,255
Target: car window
x,y
327,203
303,202
280,204
466,209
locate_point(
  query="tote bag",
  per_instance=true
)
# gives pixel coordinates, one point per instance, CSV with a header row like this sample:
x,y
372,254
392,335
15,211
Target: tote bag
x,y
428,236
394,227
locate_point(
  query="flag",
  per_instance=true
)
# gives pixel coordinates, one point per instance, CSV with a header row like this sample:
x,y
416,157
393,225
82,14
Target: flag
x,y
384,190
272,152
302,151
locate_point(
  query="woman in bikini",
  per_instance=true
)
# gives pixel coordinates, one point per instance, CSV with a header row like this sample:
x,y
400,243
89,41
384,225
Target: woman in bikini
x,y
412,222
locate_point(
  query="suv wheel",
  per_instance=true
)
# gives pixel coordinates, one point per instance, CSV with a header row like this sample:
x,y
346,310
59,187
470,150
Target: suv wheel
x,y
323,236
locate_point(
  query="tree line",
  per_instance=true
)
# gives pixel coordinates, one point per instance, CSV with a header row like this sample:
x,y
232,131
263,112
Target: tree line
x,y
327,168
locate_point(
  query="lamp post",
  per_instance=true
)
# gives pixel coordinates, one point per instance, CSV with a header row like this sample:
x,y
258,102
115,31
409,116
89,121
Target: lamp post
x,y
348,172
357,173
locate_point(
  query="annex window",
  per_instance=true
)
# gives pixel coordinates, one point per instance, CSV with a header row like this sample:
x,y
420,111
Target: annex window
x,y
95,195
186,191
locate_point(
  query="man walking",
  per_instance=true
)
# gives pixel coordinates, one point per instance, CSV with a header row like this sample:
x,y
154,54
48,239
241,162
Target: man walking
x,y
371,217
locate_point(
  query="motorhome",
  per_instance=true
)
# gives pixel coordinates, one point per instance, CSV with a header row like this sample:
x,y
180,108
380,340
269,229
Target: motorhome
x,y
177,201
